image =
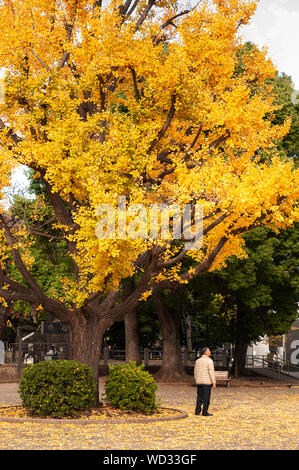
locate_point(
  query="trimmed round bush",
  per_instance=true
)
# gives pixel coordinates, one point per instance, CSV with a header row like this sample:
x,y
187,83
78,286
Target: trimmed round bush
x,y
130,387
57,388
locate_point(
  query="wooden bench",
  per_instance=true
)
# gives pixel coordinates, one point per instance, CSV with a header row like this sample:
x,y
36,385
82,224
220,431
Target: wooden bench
x,y
222,376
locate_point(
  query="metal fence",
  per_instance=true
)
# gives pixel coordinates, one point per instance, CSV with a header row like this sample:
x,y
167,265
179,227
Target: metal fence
x,y
155,356
23,353
262,362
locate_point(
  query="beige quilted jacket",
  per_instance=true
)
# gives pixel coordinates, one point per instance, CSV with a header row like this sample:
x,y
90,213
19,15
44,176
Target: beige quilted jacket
x,y
204,371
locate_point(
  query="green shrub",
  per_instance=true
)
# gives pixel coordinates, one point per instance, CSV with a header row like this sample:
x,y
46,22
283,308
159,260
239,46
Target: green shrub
x,y
57,388
130,387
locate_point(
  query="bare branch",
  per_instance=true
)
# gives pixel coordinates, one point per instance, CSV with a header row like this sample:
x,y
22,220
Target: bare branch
x,y
44,234
169,22
144,14
220,140
124,8
132,9
69,27
180,256
207,263
186,156
62,214
166,125
150,267
188,276
40,60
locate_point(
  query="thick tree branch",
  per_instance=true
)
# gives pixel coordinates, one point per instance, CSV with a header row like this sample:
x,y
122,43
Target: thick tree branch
x,y
69,28
17,291
14,285
166,124
124,8
187,154
134,77
143,16
11,241
64,218
45,234
204,266
178,15
220,140
131,11
126,305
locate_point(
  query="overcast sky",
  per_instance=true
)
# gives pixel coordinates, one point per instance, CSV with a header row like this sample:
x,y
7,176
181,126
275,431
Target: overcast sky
x,y
275,25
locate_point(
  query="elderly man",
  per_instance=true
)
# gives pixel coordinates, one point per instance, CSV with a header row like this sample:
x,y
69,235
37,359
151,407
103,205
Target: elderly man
x,y
204,376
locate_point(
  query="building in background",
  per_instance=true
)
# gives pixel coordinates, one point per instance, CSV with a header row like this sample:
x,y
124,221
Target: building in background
x,y
287,347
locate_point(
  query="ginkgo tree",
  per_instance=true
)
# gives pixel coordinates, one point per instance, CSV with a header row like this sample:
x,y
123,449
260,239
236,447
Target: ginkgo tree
x,y
142,101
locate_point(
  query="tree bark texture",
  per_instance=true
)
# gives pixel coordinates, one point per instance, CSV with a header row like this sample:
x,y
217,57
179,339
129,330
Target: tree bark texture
x,y
239,358
132,337
172,369
86,333
188,332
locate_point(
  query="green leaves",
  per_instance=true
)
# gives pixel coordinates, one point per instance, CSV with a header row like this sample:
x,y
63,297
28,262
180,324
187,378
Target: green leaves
x,y
57,388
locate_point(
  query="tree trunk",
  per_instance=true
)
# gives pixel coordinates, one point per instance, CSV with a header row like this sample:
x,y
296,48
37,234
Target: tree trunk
x,y
86,333
4,315
188,333
2,326
239,358
131,325
132,337
172,369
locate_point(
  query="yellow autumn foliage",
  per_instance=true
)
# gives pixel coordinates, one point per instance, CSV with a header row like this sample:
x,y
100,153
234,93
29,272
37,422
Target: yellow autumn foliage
x,y
104,104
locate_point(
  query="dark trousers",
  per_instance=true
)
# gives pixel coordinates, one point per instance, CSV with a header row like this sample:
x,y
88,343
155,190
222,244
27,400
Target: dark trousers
x,y
203,398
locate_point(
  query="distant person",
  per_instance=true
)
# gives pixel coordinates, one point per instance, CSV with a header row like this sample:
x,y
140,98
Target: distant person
x,y
204,376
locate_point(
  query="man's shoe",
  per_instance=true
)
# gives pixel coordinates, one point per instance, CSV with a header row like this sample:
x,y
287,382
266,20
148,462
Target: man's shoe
x,y
207,414
197,413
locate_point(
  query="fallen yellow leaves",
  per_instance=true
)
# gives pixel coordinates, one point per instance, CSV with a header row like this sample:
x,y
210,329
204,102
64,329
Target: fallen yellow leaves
x,y
102,413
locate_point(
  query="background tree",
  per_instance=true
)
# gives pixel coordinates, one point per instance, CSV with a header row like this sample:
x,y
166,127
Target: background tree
x,y
252,297
170,318
284,88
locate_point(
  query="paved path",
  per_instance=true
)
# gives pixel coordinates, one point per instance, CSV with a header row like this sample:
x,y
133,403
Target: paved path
x,y
243,418
9,394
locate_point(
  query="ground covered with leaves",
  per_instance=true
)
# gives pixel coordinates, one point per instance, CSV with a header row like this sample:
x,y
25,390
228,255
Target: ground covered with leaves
x,y
255,417
104,412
